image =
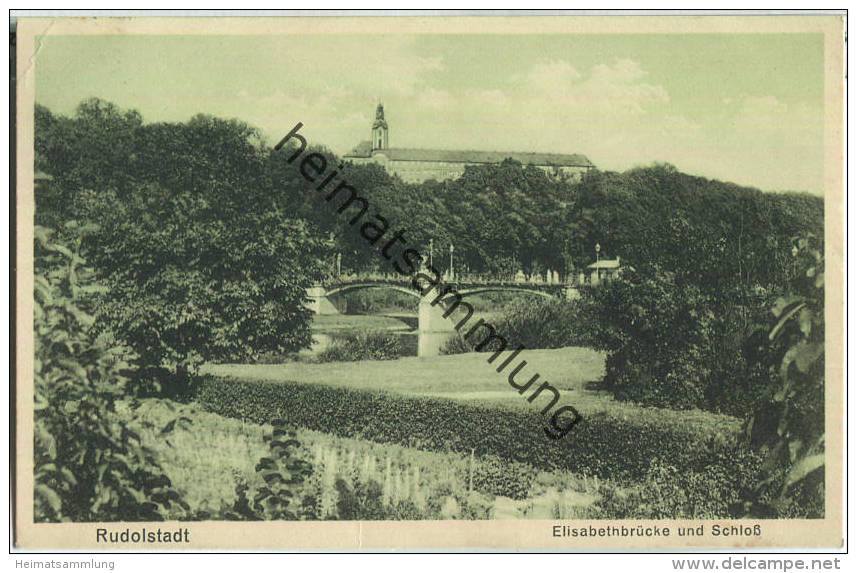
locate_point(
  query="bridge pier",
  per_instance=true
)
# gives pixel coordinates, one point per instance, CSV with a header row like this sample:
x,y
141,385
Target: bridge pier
x,y
318,301
433,330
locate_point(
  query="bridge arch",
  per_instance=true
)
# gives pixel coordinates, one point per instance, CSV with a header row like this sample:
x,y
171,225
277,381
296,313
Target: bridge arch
x,y
362,286
505,288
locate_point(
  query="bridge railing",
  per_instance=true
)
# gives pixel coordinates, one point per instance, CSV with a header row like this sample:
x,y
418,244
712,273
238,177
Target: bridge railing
x,y
546,279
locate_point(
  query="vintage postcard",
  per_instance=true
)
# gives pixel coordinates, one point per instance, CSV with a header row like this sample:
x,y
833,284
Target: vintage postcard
x,y
419,282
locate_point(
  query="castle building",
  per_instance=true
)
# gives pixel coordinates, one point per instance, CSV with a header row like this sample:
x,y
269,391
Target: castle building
x,y
418,165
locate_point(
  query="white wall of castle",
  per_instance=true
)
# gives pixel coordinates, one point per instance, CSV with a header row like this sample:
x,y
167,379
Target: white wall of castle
x,y
419,171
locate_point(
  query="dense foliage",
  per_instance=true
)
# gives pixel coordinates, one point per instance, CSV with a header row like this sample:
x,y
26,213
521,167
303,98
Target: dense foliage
x,y
713,234
535,323
503,477
789,424
670,492
508,217
200,251
89,465
671,343
500,218
601,444
378,301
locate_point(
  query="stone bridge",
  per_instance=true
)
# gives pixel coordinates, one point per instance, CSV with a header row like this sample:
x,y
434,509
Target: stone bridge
x,y
433,328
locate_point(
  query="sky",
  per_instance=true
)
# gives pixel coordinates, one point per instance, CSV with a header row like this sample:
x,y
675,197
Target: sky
x,y
742,108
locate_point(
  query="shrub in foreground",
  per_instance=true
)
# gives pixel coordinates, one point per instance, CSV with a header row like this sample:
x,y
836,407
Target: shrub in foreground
x,y
89,465
502,477
669,492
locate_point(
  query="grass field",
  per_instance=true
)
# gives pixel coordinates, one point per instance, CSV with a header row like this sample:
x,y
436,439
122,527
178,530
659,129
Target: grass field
x,y
574,371
567,369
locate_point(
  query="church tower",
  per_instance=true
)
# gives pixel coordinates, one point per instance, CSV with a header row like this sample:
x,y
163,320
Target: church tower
x,y
379,130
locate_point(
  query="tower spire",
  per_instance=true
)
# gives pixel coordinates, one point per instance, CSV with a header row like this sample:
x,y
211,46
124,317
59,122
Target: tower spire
x,y
379,129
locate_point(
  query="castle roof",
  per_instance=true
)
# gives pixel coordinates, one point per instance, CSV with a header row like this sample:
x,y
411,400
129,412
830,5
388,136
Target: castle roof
x,y
471,157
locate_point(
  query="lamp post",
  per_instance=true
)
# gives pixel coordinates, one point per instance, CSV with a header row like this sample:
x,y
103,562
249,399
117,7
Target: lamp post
x,y
431,252
338,264
451,267
597,251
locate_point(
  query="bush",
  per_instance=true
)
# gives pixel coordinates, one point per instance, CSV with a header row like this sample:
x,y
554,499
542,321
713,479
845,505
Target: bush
x,y
668,492
501,477
89,465
362,346
362,501
283,472
540,323
600,444
546,323
671,344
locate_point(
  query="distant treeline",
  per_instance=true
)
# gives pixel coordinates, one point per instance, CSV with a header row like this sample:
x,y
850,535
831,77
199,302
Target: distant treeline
x,y
500,218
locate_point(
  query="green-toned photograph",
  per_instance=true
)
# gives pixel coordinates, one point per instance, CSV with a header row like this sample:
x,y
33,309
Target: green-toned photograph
x,y
432,274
